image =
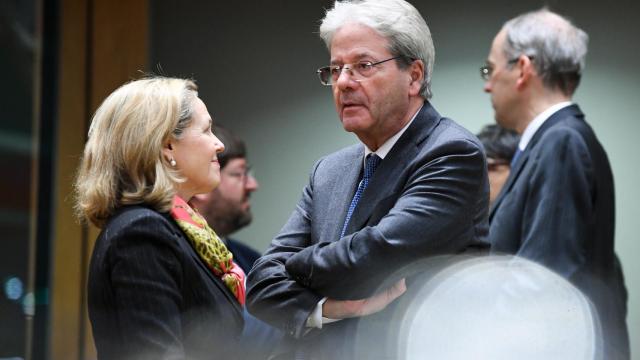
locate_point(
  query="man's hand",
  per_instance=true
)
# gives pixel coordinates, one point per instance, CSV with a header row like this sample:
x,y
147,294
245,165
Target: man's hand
x,y
341,309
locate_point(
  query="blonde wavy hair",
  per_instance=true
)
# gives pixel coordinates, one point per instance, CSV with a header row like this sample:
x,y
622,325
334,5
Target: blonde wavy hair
x,y
123,162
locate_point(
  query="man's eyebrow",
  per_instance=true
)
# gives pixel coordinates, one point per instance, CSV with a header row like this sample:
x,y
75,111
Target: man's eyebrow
x,y
358,56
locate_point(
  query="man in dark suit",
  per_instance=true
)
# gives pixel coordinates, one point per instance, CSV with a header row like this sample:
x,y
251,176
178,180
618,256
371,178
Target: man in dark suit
x,y
557,206
227,209
416,186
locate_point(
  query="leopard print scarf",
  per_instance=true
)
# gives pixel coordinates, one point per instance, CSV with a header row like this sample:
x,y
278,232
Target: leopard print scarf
x,y
209,247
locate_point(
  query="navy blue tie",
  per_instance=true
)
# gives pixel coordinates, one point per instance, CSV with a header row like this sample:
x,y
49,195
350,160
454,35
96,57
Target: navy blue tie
x,y
370,166
515,157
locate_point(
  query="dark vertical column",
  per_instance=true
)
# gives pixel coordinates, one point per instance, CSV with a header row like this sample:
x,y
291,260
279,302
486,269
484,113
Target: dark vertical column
x,y
39,339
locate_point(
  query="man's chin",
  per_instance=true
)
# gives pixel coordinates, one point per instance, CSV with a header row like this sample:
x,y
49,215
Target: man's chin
x,y
244,220
505,123
352,124
245,207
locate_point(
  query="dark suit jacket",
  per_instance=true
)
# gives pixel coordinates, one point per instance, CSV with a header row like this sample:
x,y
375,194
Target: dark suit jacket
x,y
557,208
243,255
151,297
429,196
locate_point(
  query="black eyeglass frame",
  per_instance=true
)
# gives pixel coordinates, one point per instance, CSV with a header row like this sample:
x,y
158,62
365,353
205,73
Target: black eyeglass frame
x,y
486,70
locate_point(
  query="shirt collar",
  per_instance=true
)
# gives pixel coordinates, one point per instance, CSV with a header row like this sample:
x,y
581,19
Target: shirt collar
x,y
384,149
537,122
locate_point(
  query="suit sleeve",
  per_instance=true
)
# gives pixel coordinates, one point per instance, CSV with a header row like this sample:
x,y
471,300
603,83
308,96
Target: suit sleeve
x,y
272,294
146,280
434,214
559,204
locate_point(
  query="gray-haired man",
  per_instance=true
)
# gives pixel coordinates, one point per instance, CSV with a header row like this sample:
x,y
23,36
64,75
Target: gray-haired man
x,y
414,187
557,206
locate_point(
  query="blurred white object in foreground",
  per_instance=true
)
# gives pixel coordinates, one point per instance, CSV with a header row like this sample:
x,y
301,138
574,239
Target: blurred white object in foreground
x,y
497,307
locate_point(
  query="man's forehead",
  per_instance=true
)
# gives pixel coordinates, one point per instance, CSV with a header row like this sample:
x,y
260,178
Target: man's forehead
x,y
354,39
496,48
356,54
498,41
236,162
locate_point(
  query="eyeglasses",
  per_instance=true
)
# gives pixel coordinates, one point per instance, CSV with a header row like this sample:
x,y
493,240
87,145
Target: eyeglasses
x,y
487,70
359,71
493,164
241,175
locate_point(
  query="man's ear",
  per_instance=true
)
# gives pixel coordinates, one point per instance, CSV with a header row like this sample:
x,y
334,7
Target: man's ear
x,y
417,73
526,71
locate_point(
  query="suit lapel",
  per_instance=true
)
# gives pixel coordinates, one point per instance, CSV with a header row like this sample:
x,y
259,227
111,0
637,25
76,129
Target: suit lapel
x,y
513,176
186,245
346,182
554,119
386,175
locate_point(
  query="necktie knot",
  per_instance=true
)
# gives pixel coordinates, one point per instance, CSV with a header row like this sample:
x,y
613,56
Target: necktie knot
x,y
371,164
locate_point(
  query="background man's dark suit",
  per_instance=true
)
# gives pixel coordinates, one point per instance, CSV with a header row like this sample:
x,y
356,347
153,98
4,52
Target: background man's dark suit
x,y
557,208
151,297
428,196
243,255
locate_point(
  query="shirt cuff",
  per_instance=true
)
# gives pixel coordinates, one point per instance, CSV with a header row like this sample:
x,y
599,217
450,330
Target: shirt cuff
x,y
315,319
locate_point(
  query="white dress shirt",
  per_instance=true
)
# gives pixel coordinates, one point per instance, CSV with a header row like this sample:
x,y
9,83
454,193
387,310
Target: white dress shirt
x,y
537,122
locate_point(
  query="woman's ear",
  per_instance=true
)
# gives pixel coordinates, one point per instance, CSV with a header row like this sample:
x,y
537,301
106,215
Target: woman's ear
x,y
167,151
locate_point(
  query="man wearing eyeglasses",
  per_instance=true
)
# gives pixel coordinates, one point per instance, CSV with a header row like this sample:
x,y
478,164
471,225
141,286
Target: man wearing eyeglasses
x,y
557,206
414,187
227,209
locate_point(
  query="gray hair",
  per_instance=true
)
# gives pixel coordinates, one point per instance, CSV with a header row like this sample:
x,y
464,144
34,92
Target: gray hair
x,y
557,47
396,20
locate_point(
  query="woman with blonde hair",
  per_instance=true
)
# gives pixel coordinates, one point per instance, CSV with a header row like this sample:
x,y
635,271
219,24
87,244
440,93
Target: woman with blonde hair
x,y
161,283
